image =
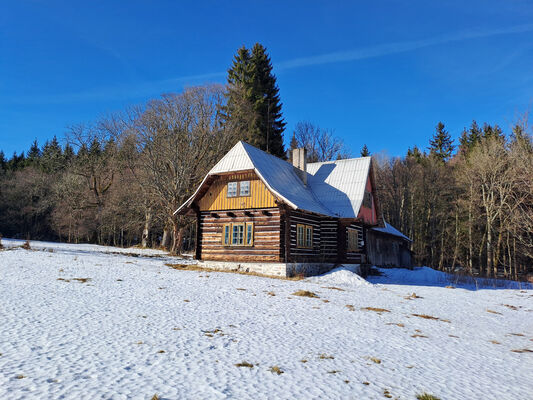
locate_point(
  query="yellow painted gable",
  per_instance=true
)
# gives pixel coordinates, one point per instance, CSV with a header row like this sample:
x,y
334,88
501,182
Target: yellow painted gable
x,y
216,196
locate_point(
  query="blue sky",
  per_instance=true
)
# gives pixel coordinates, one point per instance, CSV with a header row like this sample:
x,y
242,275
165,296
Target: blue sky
x,y
381,73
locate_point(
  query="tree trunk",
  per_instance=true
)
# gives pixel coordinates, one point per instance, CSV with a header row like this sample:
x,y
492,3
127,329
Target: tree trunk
x,y
165,242
146,230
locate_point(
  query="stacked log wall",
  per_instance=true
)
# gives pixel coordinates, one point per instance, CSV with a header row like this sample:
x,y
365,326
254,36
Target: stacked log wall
x,y
266,244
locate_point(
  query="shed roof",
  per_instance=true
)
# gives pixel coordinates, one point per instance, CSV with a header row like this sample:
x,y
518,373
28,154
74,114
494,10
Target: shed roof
x,y
334,188
391,230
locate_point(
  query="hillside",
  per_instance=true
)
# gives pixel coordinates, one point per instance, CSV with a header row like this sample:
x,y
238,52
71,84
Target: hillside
x,y
86,322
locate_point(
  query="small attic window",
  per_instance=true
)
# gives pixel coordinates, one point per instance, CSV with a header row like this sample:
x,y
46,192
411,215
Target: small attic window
x,y
244,188
232,189
367,200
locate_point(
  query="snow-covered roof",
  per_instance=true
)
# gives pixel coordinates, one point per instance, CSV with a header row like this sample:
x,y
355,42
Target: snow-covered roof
x,y
391,230
334,188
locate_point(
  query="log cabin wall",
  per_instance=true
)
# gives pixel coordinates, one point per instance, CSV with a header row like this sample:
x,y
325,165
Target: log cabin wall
x,y
299,254
355,257
216,197
328,239
266,239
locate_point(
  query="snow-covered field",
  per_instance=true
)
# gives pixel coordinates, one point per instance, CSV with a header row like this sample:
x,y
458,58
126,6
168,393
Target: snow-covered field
x,y
137,327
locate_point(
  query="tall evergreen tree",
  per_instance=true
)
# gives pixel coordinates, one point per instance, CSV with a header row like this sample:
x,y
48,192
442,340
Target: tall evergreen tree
x,y
34,154
365,152
441,145
253,104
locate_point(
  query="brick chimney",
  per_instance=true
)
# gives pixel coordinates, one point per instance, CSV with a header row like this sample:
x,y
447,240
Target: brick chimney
x,y
299,161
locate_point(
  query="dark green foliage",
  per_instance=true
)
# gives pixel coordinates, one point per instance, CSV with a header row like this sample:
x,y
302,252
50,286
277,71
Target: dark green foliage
x,y
441,145
365,152
253,108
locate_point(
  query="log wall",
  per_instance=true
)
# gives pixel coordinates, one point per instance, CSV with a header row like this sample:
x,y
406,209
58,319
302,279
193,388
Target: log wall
x,y
266,246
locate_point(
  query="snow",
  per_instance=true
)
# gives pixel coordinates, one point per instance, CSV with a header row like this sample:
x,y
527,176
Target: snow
x,y
340,276
102,338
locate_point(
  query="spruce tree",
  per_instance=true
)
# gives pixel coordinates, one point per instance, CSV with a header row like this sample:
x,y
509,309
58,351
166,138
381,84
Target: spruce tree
x,y
441,145
34,154
365,152
253,107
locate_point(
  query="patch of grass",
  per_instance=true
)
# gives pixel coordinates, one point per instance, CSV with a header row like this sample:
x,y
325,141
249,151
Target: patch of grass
x,y
303,361
516,334
305,293
239,288
160,351
387,394
334,288
450,287
454,336
276,370
82,280
522,351
495,342
350,307
396,323
419,335
375,309
19,376
335,371
425,316
426,396
26,245
271,293
325,301
186,301
244,364
366,383
119,280
511,307
64,280
412,296
375,359
324,356
155,397
494,312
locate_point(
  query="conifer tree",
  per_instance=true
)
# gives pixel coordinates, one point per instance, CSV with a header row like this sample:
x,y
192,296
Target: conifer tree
x,y
441,145
253,107
34,154
365,152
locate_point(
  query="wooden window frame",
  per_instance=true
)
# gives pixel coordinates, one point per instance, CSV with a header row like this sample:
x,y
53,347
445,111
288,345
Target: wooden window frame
x,y
238,189
245,236
351,243
249,189
307,239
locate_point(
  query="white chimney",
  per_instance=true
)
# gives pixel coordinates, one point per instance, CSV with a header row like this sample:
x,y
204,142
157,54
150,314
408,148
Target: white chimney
x,y
299,161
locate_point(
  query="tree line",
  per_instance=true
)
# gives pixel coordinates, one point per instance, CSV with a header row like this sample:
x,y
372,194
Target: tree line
x,y
119,179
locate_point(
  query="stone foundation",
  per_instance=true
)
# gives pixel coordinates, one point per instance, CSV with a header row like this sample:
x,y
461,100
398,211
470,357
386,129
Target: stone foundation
x,y
283,270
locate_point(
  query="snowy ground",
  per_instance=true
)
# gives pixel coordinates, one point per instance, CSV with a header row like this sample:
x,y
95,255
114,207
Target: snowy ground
x,y
138,327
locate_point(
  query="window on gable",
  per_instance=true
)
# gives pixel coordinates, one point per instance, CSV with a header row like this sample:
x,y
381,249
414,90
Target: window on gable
x,y
232,189
353,239
244,188
304,236
367,200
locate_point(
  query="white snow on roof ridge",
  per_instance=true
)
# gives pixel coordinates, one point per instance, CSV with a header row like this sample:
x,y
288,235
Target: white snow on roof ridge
x,y
391,230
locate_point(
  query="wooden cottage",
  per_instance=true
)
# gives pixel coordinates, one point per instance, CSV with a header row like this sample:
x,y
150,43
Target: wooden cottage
x,y
259,213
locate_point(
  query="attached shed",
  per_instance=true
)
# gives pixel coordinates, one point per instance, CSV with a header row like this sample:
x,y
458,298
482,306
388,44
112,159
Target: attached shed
x,y
388,247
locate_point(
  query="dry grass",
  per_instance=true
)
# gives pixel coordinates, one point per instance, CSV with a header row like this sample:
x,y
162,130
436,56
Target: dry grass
x,y
425,316
375,309
334,288
494,312
419,335
426,396
82,280
271,293
26,245
350,307
195,267
160,351
19,376
522,351
511,307
450,287
335,371
375,360
324,356
244,364
366,383
396,323
276,370
155,397
412,296
387,394
495,342
240,288
305,293
303,361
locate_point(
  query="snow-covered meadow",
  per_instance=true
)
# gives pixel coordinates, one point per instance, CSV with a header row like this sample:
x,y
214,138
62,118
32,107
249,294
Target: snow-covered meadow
x,y
87,322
